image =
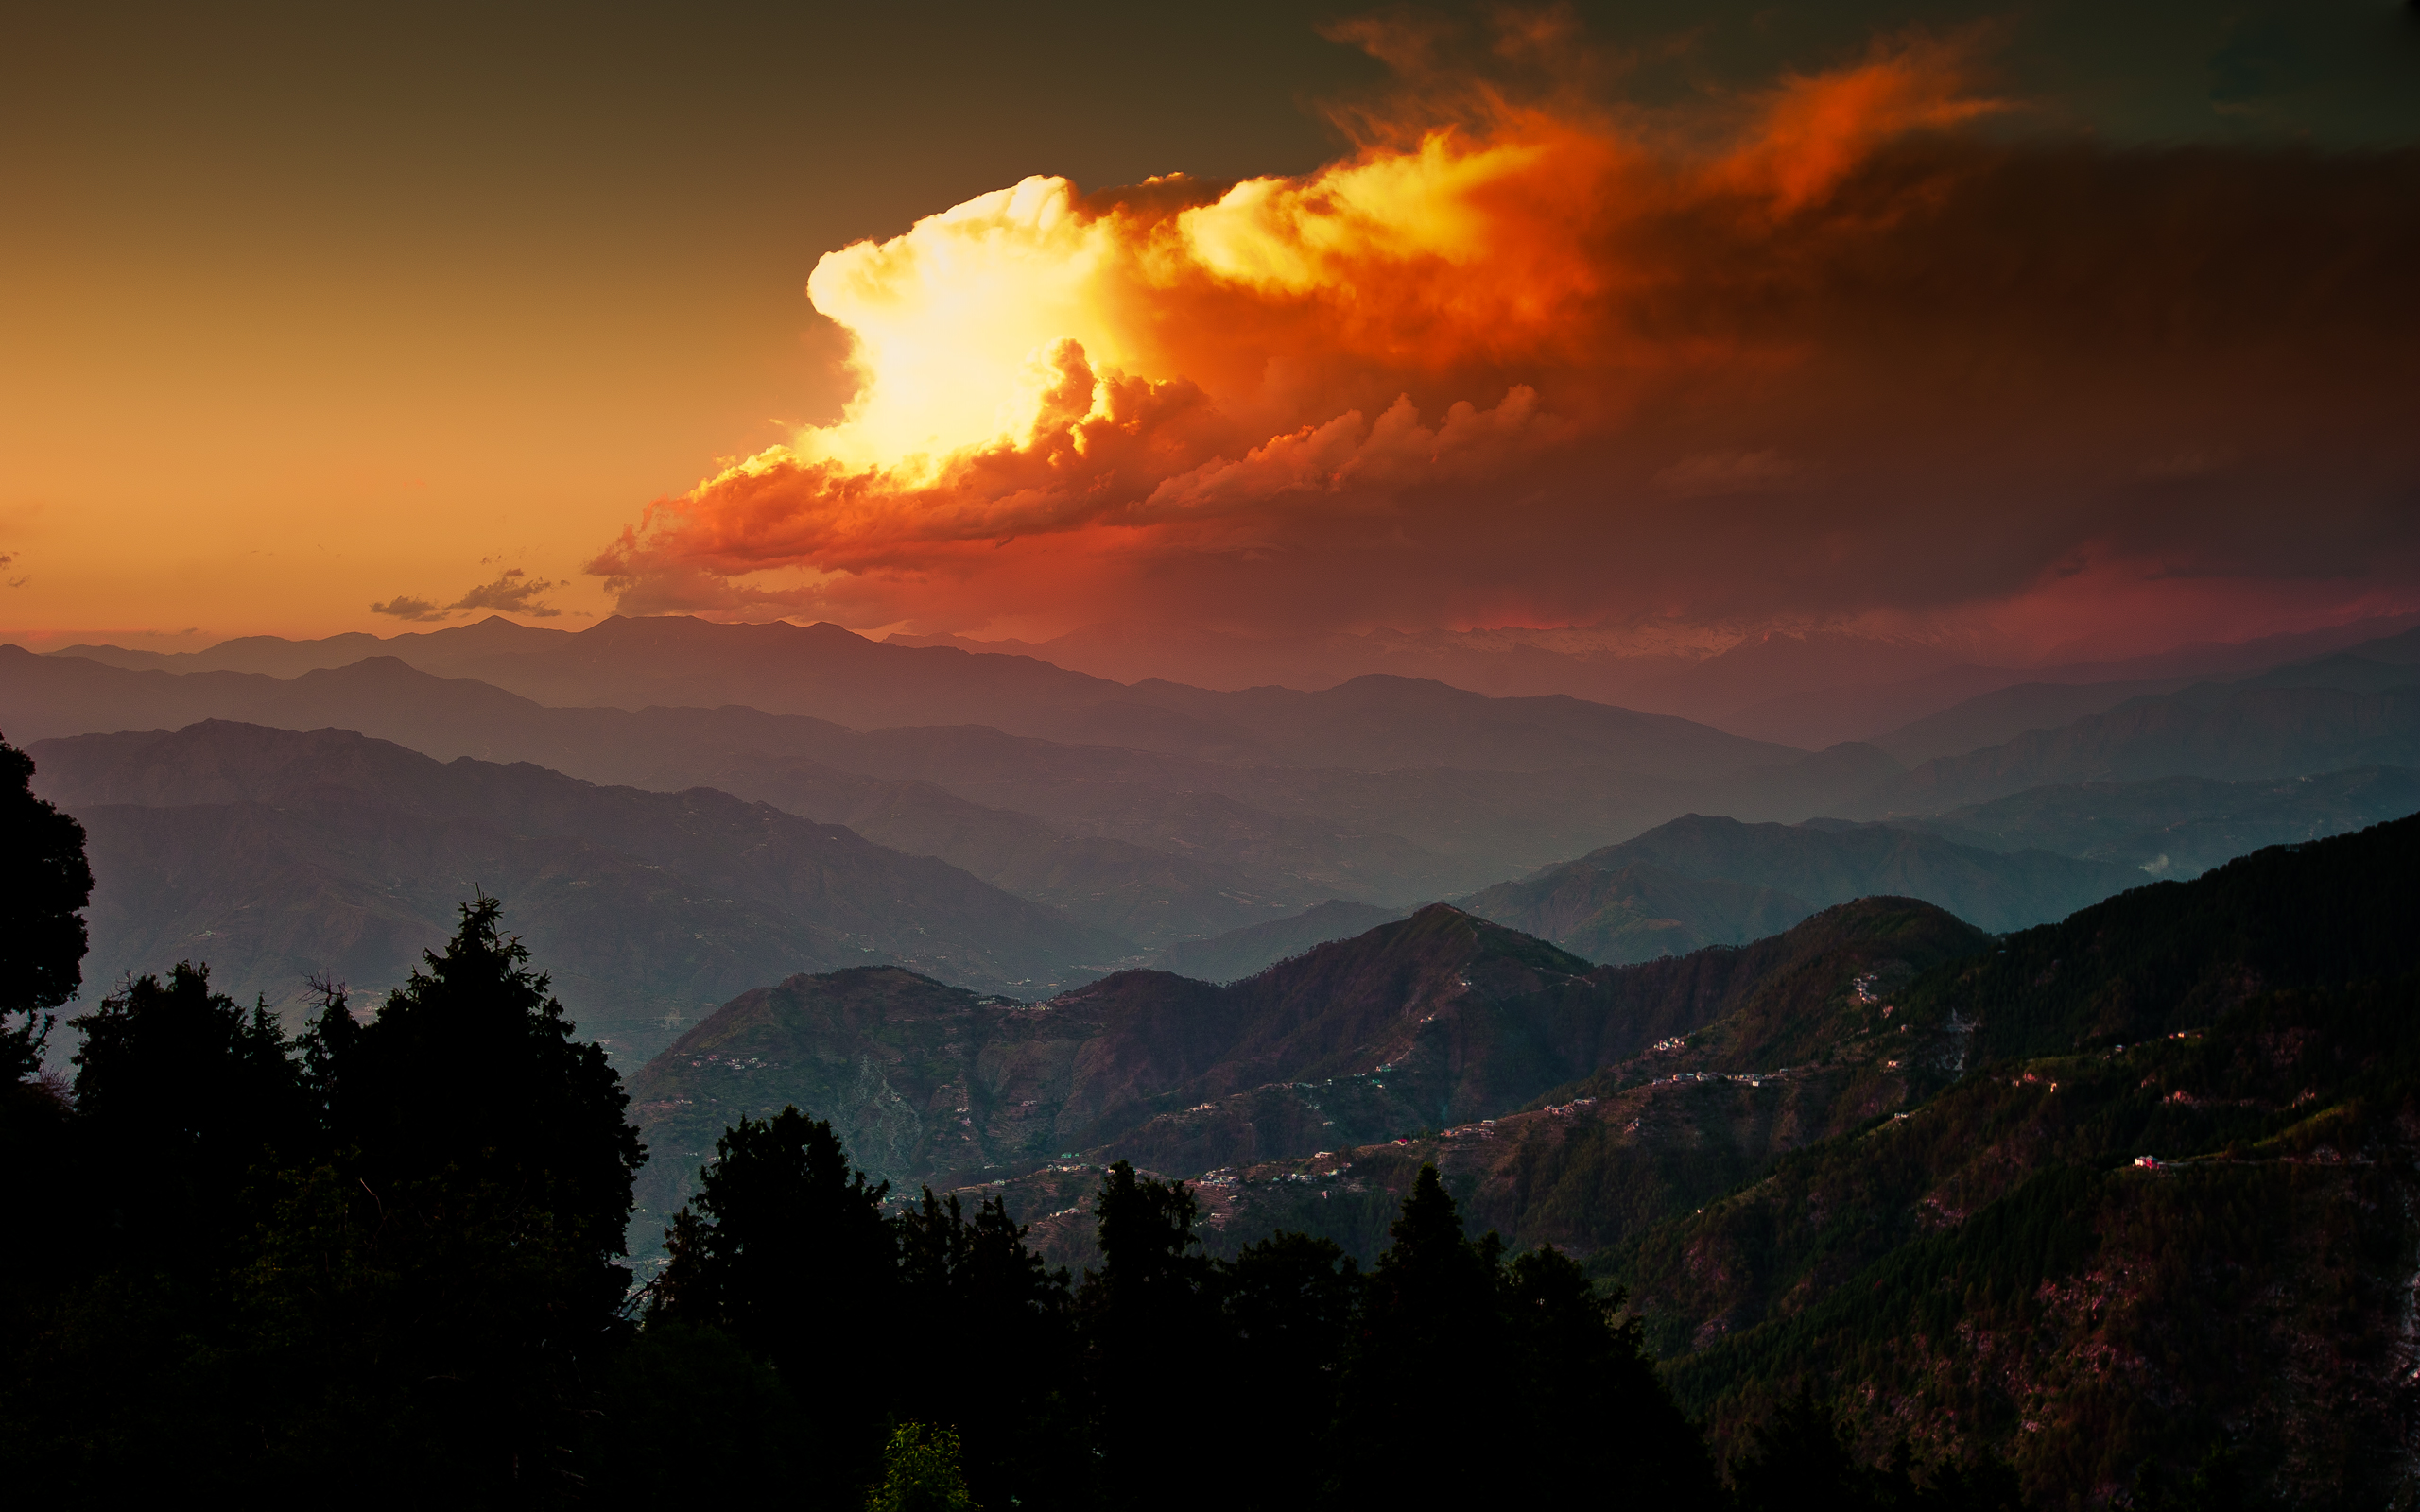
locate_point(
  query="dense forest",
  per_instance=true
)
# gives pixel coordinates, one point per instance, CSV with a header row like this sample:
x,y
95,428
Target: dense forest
x,y
382,1259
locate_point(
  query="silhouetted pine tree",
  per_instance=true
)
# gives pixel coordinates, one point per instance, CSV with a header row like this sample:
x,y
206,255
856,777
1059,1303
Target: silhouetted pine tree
x,y
1588,1397
470,1071
443,1272
784,1249
1288,1306
1151,1337
181,1095
973,1296
1431,1343
44,884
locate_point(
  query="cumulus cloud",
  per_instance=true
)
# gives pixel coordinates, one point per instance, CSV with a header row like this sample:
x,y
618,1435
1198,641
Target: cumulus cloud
x,y
1851,348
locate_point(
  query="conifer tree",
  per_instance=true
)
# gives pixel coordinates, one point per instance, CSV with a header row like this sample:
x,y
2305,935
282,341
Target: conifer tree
x,y
1432,1329
1288,1304
469,1072
181,1094
451,1259
972,1290
784,1249
44,883
1151,1334
1589,1398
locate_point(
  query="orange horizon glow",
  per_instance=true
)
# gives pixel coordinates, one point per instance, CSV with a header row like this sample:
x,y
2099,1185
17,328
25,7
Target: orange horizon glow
x,y
1869,349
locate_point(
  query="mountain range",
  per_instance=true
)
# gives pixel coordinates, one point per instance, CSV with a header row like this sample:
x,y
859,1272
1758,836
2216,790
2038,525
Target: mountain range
x,y
274,855
1153,851
1704,881
1817,1051
2171,1133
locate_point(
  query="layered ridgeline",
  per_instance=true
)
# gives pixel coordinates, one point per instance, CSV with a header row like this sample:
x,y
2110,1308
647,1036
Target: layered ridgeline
x,y
1439,1019
1707,883
1924,1194
1882,1156
1998,715
1209,813
1241,952
2260,729
1699,880
2180,826
1236,810
276,855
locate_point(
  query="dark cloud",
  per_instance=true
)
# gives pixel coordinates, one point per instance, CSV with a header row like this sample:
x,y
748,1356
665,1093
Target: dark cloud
x,y
513,592
405,606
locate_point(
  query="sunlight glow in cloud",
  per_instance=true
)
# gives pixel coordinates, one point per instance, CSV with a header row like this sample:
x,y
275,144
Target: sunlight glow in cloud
x,y
1633,343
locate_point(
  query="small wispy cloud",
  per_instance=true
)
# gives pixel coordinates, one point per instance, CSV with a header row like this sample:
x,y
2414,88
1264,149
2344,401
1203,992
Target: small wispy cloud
x,y
1714,473
513,592
405,606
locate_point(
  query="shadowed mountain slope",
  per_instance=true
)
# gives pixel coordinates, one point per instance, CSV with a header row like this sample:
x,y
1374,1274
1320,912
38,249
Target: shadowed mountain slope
x,y
1474,1012
2177,954
2238,734
1245,951
1439,1018
1636,911
1810,865
1947,1224
390,823
2179,827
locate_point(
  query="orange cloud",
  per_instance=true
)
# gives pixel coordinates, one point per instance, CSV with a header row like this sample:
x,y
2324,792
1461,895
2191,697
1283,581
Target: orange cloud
x,y
1528,361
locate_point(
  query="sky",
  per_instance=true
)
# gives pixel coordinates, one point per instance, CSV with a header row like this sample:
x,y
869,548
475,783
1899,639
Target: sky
x,y
2043,331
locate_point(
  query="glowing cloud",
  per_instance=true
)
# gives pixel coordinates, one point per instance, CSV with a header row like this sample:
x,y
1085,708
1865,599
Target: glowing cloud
x,y
1536,362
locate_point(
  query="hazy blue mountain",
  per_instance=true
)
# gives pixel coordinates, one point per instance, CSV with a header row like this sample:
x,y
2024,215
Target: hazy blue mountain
x,y
2004,714
1636,911
1819,864
256,848
1288,835
2233,733
1376,722
1255,948
2180,826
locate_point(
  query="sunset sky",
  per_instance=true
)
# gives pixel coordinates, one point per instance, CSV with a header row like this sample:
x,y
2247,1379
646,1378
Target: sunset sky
x,y
2006,323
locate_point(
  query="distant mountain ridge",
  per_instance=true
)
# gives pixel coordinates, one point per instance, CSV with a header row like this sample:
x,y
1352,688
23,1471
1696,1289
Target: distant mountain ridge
x,y
349,840
1245,951
1623,913
1702,880
2233,733
2176,826
1295,834
1375,722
